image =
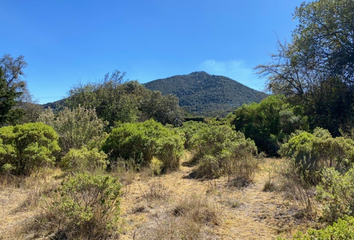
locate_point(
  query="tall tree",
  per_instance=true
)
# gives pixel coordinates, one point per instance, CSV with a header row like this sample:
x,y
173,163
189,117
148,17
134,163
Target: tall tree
x,y
317,68
7,98
12,87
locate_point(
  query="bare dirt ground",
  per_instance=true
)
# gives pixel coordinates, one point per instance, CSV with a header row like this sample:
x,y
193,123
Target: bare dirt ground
x,y
152,207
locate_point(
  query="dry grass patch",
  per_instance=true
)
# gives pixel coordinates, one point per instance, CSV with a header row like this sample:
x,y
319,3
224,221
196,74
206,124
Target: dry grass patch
x,y
192,217
21,201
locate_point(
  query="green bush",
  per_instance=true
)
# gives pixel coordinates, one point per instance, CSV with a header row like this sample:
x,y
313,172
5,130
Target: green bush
x,y
79,160
76,127
87,206
221,150
341,230
336,191
169,150
142,141
25,148
270,122
188,130
313,152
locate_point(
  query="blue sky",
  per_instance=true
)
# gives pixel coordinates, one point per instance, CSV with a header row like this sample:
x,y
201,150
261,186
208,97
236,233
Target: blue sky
x,y
66,42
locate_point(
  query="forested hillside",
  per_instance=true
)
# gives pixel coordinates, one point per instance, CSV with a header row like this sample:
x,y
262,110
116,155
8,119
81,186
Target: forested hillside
x,y
203,94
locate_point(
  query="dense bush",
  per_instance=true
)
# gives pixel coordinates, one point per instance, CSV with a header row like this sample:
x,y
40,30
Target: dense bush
x,y
86,207
269,122
188,130
169,150
76,127
313,152
341,230
25,148
336,191
142,141
221,150
79,160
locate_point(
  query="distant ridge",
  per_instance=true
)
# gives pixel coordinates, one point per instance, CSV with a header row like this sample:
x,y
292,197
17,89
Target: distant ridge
x,y
207,95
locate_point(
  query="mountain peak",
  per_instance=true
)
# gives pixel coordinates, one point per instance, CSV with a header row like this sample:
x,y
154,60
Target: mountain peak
x,y
203,94
199,73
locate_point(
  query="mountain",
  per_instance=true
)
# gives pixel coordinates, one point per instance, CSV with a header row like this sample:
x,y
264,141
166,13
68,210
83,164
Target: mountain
x,y
207,95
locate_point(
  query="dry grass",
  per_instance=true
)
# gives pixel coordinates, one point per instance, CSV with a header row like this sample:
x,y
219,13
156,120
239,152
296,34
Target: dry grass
x,y
171,206
21,200
192,217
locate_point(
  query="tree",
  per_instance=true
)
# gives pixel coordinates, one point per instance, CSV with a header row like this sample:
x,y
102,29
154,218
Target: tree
x,y
12,88
116,100
164,109
325,36
8,97
316,68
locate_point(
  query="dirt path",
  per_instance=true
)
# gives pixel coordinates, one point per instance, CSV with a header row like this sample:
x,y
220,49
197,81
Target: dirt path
x,y
248,213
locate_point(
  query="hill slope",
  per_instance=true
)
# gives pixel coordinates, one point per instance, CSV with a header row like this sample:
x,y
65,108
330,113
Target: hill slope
x,y
203,94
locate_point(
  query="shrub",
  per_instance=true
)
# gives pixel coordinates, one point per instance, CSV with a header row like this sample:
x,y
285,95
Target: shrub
x,y
313,152
84,160
142,141
169,150
341,230
336,191
27,147
76,127
87,206
221,150
188,130
270,122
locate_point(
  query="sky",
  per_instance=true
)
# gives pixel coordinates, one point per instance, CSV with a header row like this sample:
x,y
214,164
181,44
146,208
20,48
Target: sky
x,y
67,42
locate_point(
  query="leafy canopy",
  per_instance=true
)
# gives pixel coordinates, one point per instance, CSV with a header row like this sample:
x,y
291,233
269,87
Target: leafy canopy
x,y
12,88
316,68
117,100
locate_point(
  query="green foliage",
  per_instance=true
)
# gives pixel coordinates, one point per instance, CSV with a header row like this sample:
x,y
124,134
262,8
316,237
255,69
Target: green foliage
x,y
209,95
221,150
12,88
269,122
336,191
25,148
188,130
30,111
116,100
8,98
142,141
315,69
164,109
87,206
324,36
313,152
80,160
341,230
76,128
